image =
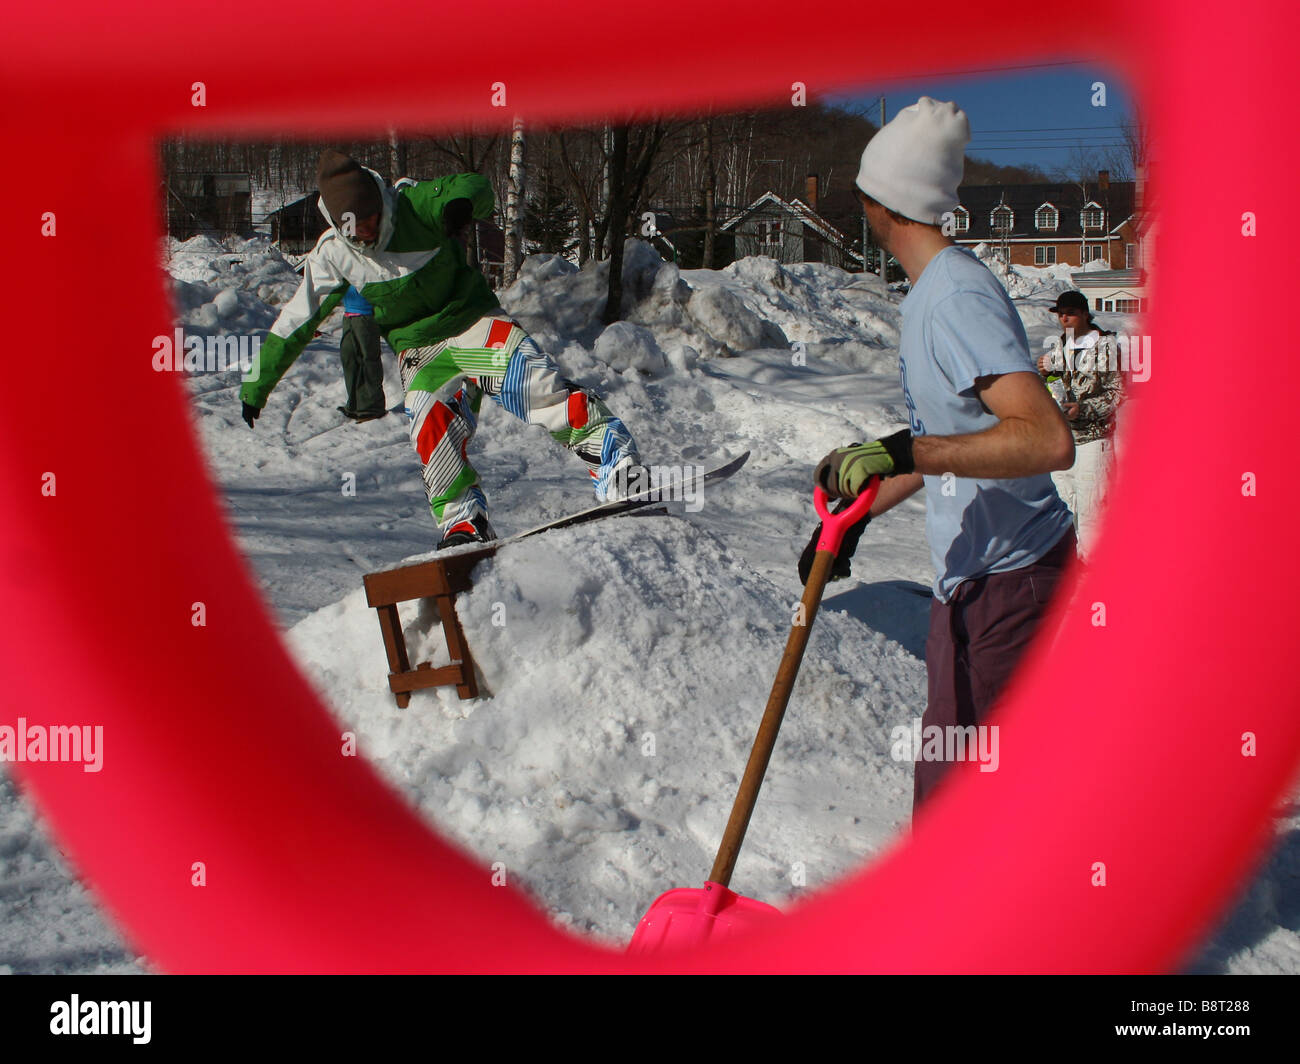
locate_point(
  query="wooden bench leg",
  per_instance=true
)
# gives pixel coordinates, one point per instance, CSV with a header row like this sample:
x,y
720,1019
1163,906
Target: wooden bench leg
x,y
395,645
457,646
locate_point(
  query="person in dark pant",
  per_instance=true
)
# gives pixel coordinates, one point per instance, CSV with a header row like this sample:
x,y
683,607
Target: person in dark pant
x,y
363,370
983,438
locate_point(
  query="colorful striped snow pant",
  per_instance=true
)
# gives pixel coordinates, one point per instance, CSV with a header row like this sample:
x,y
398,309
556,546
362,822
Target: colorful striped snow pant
x,y
445,384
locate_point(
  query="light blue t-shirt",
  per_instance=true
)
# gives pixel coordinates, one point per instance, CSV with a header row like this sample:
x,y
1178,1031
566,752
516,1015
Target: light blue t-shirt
x,y
959,324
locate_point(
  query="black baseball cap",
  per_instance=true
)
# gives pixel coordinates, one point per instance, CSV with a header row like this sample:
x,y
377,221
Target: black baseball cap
x,y
1069,301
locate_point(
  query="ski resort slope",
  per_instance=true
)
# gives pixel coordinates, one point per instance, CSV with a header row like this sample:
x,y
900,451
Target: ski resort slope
x,y
624,664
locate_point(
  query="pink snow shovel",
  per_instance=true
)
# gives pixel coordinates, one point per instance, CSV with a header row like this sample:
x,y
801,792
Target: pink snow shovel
x,y
685,918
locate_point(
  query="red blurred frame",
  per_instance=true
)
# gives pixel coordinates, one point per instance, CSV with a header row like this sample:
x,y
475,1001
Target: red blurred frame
x,y
313,864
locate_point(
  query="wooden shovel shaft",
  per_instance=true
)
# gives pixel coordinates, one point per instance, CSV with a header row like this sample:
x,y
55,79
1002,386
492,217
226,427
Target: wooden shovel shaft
x,y
761,754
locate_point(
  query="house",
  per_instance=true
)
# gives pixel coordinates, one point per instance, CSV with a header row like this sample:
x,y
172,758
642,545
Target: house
x,y
488,252
791,231
1113,291
297,226
217,204
1044,224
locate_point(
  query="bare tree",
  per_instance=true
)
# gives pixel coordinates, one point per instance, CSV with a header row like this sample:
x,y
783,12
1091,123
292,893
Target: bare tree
x,y
1137,143
617,210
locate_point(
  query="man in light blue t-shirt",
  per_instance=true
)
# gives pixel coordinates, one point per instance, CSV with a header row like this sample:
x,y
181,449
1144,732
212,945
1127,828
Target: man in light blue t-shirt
x,y
984,434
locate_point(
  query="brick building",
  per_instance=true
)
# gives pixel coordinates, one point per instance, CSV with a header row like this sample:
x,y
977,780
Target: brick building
x,y
1073,223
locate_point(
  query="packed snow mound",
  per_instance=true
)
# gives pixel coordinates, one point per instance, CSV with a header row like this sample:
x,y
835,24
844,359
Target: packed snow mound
x,y
1024,282
789,305
553,298
724,317
625,345
233,287
1034,282
754,304
629,662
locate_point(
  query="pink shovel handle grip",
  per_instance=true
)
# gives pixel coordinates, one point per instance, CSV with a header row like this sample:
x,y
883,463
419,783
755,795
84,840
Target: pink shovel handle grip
x,y
835,525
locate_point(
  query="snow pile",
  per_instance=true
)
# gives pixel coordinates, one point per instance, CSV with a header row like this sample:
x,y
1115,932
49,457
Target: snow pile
x,y
233,287
629,663
754,304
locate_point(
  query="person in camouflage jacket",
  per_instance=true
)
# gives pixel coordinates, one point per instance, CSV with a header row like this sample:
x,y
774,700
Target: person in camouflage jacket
x,y
1086,363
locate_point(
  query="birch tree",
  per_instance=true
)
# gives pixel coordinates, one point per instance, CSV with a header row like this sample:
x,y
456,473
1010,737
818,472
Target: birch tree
x,y
515,201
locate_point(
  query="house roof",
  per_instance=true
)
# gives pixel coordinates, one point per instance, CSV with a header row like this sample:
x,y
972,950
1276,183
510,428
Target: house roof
x,y
1024,200
1107,278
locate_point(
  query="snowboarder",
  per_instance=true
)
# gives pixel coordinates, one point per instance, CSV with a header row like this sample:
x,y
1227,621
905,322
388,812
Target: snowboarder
x,y
984,433
402,248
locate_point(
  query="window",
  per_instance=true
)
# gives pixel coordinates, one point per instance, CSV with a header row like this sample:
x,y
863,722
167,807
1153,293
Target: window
x,y
1091,216
1094,251
769,235
1045,255
1130,257
1001,219
1120,306
1046,218
961,220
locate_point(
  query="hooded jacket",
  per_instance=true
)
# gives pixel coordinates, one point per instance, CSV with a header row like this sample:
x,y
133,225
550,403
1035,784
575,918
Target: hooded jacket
x,y
415,276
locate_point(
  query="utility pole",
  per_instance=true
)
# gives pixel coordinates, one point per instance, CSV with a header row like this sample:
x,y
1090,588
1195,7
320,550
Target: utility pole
x,y
884,255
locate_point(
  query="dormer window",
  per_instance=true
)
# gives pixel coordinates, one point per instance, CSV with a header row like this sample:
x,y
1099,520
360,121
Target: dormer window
x,y
1001,219
1091,216
1046,218
961,220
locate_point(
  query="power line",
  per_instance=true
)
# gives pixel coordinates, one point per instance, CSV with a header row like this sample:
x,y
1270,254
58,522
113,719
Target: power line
x,y
989,70
1045,140
1050,129
1036,147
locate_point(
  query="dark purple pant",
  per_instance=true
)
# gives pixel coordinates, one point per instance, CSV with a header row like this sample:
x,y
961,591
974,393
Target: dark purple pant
x,y
975,642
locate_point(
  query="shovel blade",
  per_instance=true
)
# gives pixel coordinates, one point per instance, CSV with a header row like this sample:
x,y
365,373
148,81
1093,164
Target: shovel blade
x,y
687,918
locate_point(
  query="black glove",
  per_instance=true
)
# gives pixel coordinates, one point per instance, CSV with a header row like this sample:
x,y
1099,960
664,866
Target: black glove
x,y
841,567
456,217
251,414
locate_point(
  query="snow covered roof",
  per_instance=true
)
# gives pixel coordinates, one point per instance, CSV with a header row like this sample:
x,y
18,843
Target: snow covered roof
x,y
1069,199
1107,278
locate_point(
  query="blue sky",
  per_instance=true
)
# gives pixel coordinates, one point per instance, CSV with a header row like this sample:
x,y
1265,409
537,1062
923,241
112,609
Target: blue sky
x,y
1017,116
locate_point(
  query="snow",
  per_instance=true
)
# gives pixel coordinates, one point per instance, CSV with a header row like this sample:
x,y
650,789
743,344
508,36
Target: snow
x,y
624,664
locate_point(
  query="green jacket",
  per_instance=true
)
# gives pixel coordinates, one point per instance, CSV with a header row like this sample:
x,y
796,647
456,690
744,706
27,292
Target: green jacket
x,y
415,276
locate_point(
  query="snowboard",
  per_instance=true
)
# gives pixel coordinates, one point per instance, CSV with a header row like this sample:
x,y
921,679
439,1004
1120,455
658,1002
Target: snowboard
x,y
672,491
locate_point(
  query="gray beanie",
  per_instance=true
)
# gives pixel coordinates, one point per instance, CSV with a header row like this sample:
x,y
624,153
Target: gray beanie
x,y
914,164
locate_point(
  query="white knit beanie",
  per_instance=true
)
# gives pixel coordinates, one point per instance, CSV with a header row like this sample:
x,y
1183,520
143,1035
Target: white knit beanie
x,y
914,164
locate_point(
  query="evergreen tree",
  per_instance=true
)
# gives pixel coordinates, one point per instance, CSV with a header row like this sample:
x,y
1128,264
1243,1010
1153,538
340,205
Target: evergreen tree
x,y
549,222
